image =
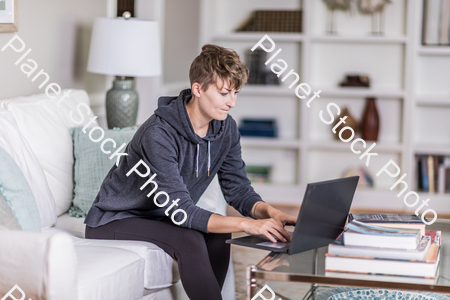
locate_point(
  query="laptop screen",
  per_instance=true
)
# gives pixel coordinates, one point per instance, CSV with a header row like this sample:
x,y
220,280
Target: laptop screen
x,y
323,213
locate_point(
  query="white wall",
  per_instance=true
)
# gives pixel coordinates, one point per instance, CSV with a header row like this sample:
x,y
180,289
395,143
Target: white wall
x,y
149,88
58,32
181,46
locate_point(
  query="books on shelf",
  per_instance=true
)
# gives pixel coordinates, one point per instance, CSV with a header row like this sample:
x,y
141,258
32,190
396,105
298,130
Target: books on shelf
x,y
259,72
390,220
360,234
385,261
258,174
273,21
436,22
258,128
433,173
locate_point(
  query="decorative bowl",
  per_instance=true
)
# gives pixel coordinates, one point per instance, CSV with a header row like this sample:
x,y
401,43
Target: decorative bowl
x,y
353,293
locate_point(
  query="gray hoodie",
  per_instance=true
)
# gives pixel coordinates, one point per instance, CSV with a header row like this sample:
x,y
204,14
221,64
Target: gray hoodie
x,y
168,144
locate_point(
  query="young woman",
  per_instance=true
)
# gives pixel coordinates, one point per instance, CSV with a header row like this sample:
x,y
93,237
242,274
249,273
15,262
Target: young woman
x,y
188,140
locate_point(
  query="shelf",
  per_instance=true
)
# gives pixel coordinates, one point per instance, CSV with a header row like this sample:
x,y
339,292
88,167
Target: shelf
x,y
433,100
341,146
360,92
287,194
434,50
270,142
376,199
431,149
268,90
438,202
256,36
360,39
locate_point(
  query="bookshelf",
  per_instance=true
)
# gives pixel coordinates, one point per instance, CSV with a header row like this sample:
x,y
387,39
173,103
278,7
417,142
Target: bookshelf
x,y
410,82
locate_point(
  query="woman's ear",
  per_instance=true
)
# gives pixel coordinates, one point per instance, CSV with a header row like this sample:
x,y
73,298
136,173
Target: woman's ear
x,y
196,89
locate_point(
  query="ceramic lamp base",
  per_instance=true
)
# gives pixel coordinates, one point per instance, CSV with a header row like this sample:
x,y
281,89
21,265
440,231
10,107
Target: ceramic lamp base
x,y
122,103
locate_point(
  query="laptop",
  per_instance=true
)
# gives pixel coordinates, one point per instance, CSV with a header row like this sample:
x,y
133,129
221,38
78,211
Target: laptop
x,y
321,218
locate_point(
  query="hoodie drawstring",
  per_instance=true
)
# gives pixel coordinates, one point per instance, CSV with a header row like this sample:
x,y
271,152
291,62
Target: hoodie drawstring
x,y
209,158
198,150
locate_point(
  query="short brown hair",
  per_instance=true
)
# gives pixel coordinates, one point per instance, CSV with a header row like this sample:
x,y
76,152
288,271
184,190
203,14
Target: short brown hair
x,y
217,62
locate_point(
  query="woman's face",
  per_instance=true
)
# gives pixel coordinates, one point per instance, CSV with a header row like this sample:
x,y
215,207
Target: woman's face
x,y
215,103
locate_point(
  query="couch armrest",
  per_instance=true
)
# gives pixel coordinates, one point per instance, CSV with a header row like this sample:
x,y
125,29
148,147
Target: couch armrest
x,y
43,265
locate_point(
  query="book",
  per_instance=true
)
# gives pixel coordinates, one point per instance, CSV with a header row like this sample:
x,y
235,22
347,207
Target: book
x,y
444,23
384,277
360,234
431,22
447,179
423,160
441,176
390,220
430,164
427,267
435,236
338,248
419,173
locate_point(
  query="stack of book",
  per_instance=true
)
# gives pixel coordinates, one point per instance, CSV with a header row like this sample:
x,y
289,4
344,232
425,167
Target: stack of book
x,y
368,250
433,173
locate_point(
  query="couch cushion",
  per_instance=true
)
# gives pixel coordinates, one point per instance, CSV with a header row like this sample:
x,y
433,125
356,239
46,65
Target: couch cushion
x,y
92,165
17,147
7,218
15,190
46,124
159,271
109,273
43,265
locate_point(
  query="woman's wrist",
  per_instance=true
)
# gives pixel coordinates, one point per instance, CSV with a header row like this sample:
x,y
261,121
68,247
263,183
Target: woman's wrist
x,y
269,211
262,210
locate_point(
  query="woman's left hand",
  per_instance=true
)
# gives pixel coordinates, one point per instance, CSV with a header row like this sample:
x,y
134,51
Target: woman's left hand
x,y
285,219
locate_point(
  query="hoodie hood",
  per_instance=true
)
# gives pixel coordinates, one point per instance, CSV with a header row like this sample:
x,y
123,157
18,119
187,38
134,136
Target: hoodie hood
x,y
173,111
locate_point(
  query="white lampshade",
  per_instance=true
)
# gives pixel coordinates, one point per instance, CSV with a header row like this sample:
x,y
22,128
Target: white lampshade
x,y
125,47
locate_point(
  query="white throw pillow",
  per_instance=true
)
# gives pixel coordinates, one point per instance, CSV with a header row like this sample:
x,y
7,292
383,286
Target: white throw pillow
x,y
45,125
17,147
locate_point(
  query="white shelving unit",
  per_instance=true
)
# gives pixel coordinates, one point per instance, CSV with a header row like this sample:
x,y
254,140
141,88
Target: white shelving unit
x,y
409,96
431,106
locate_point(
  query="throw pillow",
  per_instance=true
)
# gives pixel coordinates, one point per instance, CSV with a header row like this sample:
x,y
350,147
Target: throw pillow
x,y
16,191
45,124
7,218
92,165
13,142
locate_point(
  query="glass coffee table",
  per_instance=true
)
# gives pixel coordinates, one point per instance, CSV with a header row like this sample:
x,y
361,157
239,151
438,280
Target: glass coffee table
x,y
309,267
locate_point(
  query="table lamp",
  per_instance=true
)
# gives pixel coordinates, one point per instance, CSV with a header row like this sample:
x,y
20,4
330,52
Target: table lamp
x,y
124,47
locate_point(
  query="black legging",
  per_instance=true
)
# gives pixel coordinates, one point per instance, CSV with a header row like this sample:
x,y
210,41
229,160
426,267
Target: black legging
x,y
202,257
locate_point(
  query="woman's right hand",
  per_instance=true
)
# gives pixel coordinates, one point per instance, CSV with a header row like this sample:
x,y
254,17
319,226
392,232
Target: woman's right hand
x,y
267,227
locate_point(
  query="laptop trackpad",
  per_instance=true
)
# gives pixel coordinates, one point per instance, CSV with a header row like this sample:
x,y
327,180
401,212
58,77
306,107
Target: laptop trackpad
x,y
278,245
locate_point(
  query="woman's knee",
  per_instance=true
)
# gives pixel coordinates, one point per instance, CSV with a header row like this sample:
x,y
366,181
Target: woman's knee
x,y
192,239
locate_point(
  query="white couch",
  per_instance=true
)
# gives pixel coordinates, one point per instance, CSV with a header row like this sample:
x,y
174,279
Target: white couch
x,y
57,262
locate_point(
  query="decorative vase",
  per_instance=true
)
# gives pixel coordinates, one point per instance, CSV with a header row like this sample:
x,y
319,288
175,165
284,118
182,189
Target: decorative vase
x,y
122,103
370,121
350,122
